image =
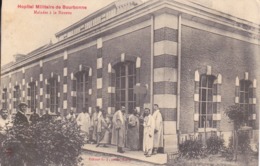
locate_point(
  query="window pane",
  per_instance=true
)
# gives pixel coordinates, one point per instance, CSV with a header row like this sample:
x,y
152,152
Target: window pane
x,y
203,81
203,95
122,95
214,107
122,70
202,121
131,95
209,108
131,107
242,85
203,108
246,98
209,121
131,81
210,95
131,69
118,82
210,82
241,98
123,84
122,104
118,95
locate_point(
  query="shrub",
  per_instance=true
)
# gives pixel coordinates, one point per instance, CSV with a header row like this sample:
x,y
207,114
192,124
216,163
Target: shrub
x,y
191,149
45,143
214,144
243,142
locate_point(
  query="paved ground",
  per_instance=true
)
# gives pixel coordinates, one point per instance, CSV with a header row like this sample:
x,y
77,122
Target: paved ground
x,y
158,159
99,159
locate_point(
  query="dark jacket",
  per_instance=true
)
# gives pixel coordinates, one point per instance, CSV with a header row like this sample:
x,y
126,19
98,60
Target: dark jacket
x,y
20,119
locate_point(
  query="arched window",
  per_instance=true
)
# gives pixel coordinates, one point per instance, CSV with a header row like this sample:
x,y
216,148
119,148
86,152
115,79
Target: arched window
x,y
244,94
4,98
53,85
206,102
82,90
17,95
125,82
32,94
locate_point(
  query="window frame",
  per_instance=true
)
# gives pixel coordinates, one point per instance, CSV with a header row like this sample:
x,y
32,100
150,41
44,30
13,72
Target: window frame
x,y
33,92
4,98
17,95
84,83
124,73
206,102
54,98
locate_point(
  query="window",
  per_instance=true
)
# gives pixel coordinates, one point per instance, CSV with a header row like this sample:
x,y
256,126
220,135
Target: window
x,y
53,95
244,94
206,103
17,95
125,81
4,98
32,94
82,90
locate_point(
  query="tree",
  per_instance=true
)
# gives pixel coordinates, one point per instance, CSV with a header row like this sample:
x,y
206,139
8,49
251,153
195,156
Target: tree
x,y
239,116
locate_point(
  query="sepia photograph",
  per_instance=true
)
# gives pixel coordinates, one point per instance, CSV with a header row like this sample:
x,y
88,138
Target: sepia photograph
x,y
130,82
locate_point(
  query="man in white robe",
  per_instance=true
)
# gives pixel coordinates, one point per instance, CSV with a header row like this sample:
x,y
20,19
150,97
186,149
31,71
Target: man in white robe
x,y
83,120
158,129
148,133
119,129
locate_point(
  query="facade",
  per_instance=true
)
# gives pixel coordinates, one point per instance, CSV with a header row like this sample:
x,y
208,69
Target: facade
x,y
192,61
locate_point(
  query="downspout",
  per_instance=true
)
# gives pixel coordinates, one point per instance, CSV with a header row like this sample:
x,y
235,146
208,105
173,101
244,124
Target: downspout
x,y
152,62
179,75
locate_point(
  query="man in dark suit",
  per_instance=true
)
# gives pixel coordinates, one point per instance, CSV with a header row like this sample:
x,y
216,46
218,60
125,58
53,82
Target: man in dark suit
x,y
20,118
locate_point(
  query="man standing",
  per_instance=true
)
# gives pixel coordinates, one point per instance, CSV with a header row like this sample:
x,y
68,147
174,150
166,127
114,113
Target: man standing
x,y
83,120
158,129
133,131
118,131
148,133
4,121
71,116
94,120
20,118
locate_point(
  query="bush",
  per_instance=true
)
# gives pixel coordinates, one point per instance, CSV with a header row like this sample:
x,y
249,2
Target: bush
x,y
214,144
45,143
191,149
243,142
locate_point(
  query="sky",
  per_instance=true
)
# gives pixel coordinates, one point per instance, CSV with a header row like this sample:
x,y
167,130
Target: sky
x,y
23,31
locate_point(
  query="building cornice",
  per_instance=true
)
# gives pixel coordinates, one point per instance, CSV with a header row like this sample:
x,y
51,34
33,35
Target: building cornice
x,y
141,13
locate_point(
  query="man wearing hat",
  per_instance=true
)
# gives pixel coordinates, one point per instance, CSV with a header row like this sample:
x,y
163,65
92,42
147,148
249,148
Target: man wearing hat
x,y
20,118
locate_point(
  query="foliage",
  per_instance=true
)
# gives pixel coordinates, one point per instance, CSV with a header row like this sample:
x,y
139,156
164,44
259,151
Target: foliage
x,y
44,143
237,114
228,153
214,144
243,142
191,149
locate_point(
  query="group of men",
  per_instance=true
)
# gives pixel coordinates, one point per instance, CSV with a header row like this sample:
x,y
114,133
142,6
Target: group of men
x,y
135,131
147,127
20,117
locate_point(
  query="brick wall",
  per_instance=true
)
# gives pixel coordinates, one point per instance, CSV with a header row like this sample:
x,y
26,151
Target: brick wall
x,y
226,56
